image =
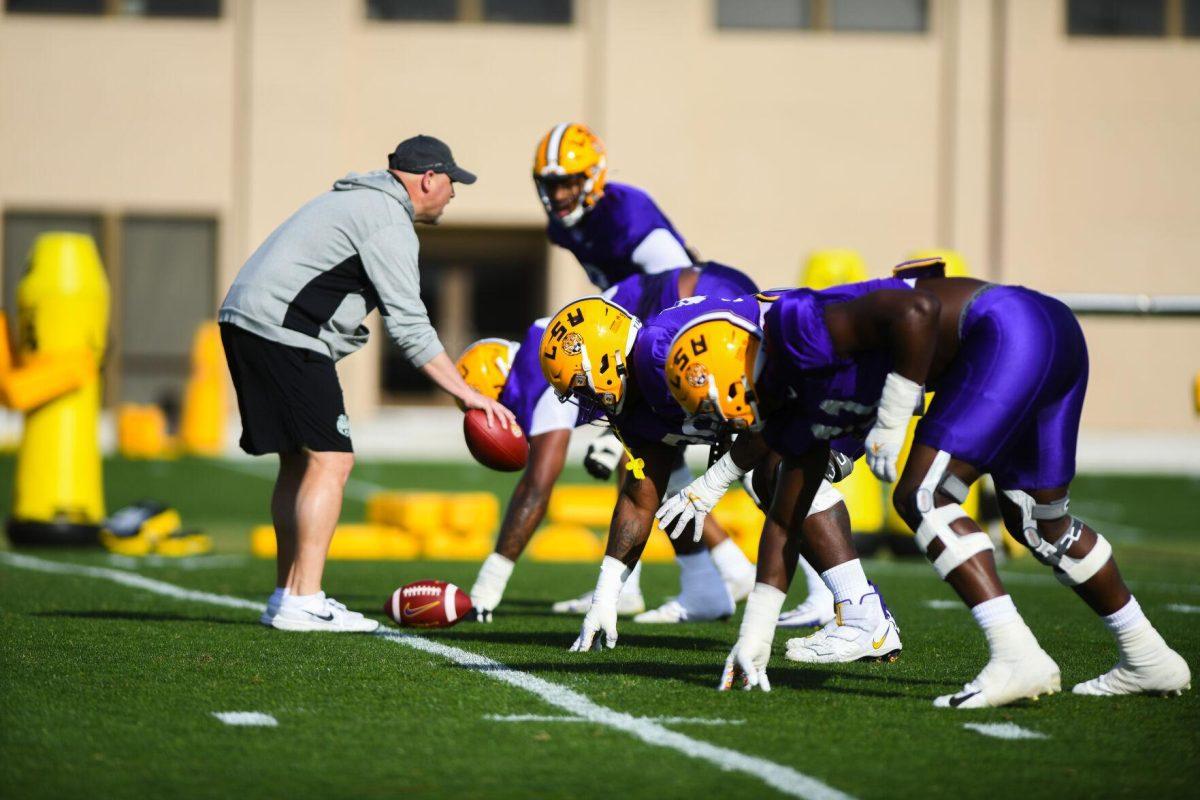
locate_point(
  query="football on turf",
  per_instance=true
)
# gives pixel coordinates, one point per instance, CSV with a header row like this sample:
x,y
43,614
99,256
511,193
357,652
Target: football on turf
x,y
428,604
500,448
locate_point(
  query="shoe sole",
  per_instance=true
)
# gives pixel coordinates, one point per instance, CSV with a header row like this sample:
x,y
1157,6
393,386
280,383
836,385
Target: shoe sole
x,y
305,627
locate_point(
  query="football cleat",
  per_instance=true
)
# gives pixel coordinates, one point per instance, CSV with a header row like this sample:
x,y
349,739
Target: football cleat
x,y
815,612
673,612
485,365
570,151
716,382
1024,672
628,604
326,614
1154,669
862,631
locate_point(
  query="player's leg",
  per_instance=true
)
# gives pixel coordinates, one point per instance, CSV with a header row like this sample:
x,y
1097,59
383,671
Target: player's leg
x,y
928,497
526,509
861,626
1082,559
704,593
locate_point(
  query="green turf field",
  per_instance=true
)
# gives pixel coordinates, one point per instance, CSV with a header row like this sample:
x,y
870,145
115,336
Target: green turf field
x,y
108,688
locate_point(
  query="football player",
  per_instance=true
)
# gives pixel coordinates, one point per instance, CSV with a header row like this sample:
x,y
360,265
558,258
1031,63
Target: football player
x,y
512,373
1009,367
598,352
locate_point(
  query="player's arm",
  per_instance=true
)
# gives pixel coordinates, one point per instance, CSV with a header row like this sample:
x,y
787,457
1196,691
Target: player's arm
x,y
778,549
632,521
904,323
660,251
698,498
531,495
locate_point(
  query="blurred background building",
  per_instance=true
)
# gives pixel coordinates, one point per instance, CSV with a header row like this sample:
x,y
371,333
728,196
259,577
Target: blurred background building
x,y
1053,142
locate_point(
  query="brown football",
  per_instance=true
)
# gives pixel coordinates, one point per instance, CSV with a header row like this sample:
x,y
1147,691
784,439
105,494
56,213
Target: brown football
x,y
498,447
428,604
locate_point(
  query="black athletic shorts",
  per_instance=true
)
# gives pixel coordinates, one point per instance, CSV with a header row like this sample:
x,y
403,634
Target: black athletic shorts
x,y
289,397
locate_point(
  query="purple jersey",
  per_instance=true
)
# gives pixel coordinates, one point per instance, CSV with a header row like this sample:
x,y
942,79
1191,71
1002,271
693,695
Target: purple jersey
x,y
604,240
828,397
526,384
651,413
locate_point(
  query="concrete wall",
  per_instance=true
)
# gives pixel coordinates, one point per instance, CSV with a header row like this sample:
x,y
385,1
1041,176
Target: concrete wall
x,y
1066,163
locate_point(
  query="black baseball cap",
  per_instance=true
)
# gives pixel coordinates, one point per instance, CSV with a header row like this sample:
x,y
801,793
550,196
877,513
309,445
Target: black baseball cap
x,y
424,153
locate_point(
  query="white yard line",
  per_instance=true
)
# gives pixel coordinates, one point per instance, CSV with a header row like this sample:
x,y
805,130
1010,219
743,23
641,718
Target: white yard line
x,y
663,720
182,562
247,718
1003,730
1183,608
785,779
944,605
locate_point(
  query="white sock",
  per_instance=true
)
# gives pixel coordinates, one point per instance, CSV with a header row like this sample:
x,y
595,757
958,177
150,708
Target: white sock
x,y
847,582
1007,634
732,563
633,585
302,600
995,612
491,581
1136,637
701,590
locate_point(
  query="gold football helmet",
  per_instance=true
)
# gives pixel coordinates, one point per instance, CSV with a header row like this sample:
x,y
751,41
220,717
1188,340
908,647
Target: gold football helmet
x,y
584,350
569,150
712,366
485,364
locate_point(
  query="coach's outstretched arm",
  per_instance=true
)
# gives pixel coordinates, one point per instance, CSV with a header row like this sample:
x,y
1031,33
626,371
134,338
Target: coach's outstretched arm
x,y
904,323
440,369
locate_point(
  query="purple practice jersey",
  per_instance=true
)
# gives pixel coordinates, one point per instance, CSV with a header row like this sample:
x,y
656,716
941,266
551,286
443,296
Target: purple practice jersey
x,y
828,397
605,239
526,384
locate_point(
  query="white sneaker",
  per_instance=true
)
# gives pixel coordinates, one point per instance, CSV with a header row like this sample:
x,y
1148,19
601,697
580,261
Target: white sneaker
x,y
669,613
628,603
326,615
1156,669
815,612
1026,673
865,631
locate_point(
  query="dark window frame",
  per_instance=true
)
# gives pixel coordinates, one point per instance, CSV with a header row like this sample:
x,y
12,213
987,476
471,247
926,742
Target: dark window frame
x,y
474,11
821,20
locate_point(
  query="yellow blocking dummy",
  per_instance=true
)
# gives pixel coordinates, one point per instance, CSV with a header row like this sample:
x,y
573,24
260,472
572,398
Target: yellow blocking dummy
x,y
350,542
202,423
62,324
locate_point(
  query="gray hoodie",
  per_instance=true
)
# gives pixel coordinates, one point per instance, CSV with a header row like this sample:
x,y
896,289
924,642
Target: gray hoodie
x,y
319,274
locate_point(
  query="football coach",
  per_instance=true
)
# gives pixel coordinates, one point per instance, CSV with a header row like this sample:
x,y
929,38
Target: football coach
x,y
296,308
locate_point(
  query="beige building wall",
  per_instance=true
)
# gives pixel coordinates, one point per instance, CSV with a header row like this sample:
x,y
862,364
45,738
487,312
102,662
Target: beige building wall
x,y
1066,163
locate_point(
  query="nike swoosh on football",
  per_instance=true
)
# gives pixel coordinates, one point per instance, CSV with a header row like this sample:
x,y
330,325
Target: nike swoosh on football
x,y
959,699
323,617
410,611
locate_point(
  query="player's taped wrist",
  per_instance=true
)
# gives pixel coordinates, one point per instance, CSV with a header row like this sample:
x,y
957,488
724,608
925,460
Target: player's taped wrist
x,y
613,574
763,607
721,475
899,401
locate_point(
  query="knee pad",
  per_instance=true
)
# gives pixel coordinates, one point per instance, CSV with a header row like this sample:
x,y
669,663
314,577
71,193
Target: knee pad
x,y
1069,570
936,520
826,498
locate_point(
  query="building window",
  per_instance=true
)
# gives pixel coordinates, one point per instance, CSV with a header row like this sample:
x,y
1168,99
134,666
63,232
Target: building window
x,y
475,283
1117,17
167,284
537,12
128,8
1191,18
909,16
